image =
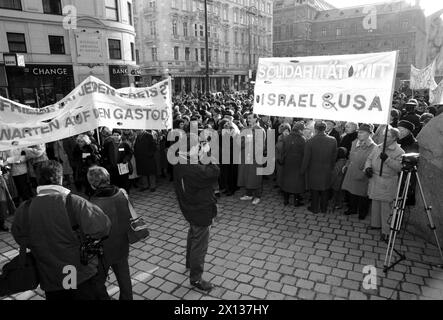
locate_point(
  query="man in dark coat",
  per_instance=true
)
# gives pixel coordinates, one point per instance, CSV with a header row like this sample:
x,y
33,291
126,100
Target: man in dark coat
x,y
318,163
293,181
145,148
117,154
194,188
331,131
350,136
410,115
407,140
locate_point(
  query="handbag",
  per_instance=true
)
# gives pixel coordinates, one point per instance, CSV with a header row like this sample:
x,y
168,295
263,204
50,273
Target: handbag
x,y
20,274
138,228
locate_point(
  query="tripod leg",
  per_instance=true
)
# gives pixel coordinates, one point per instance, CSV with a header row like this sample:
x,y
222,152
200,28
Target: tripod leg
x,y
397,217
428,210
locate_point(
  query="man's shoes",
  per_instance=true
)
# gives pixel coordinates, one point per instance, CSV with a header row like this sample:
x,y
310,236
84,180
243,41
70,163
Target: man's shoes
x,y
4,229
246,198
256,201
202,285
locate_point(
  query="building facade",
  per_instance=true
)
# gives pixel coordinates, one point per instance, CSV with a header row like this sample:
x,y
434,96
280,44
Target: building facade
x,y
171,40
314,27
62,42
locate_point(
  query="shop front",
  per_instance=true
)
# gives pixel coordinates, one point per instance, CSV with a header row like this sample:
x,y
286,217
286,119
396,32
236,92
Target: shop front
x,y
39,85
123,76
3,82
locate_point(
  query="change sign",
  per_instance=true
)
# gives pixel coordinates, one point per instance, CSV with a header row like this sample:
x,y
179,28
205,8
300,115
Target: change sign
x,y
354,88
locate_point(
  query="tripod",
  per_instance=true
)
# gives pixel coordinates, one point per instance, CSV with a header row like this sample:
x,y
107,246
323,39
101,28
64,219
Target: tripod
x,y
398,214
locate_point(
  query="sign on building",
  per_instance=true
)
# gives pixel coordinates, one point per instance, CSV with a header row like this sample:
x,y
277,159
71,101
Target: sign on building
x,y
89,47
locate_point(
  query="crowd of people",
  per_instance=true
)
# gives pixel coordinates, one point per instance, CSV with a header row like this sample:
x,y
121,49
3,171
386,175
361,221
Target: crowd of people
x,y
326,165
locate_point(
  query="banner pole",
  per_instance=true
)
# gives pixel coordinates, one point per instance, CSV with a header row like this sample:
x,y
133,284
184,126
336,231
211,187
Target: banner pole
x,y
98,138
384,148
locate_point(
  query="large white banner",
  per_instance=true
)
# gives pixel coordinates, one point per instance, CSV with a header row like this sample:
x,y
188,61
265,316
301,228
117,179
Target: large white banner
x,y
436,94
91,105
422,79
356,88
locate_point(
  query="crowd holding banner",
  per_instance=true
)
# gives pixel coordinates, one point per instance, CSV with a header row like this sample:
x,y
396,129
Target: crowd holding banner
x,y
91,105
322,147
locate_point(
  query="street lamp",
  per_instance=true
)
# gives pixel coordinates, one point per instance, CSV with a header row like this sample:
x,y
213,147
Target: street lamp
x,y
252,10
206,46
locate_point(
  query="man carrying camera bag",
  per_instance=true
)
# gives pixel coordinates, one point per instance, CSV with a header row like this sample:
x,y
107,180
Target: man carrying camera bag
x,y
53,242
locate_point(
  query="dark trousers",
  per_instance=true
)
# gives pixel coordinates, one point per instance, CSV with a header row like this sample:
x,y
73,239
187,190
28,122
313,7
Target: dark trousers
x,y
359,205
88,290
123,276
228,177
23,186
319,201
121,181
3,212
197,246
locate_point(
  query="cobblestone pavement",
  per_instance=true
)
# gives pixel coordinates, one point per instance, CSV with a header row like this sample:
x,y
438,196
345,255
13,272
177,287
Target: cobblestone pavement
x,y
267,252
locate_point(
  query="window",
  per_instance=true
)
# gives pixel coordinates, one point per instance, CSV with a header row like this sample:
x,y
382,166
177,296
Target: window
x,y
353,29
196,30
111,10
216,55
184,5
57,44
137,56
187,53
226,57
323,32
404,55
236,58
242,38
174,27
339,32
132,51
16,42
185,29
174,4
115,51
52,7
405,24
236,38
11,4
154,54
131,22
209,54
176,53
225,13
202,33
152,28
196,54
226,35
202,54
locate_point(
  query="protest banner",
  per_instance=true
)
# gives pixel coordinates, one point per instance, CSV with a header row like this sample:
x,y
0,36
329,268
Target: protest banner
x,y
422,79
436,94
356,88
93,104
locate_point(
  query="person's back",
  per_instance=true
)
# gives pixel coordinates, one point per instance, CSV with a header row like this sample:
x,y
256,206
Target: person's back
x,y
50,232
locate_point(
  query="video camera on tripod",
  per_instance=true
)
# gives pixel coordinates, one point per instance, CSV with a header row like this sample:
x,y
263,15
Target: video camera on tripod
x,y
91,248
409,168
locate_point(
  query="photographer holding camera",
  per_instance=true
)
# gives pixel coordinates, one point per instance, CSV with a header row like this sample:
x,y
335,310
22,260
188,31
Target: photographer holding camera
x,y
382,190
50,234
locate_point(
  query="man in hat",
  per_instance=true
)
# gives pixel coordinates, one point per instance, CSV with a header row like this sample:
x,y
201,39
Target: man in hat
x,y
407,139
318,162
411,115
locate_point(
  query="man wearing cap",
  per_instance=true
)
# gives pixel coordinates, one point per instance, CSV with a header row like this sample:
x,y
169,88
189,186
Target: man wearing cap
x,y
411,116
318,162
330,130
355,181
407,140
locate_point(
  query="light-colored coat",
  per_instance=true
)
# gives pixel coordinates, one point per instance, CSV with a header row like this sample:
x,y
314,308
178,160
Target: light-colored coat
x,y
384,188
355,180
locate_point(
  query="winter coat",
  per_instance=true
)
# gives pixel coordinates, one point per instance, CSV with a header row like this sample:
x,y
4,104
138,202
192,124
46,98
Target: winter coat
x,y
409,144
293,181
114,203
247,173
384,188
337,175
355,180
279,160
319,160
145,148
194,189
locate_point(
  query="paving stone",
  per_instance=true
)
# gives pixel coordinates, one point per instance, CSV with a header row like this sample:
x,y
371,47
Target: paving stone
x,y
274,296
306,294
244,289
259,293
289,290
305,284
230,295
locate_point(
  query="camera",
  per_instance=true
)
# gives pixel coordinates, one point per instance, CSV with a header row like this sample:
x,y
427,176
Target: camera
x,y
89,249
410,160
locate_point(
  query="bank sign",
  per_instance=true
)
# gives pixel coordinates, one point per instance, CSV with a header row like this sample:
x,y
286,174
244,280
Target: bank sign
x,y
124,70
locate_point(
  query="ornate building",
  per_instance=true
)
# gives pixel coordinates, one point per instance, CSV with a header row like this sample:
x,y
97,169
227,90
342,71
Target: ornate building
x,y
62,42
171,40
314,27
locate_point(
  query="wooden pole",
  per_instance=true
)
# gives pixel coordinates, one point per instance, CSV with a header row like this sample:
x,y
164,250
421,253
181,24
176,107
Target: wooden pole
x,y
384,148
